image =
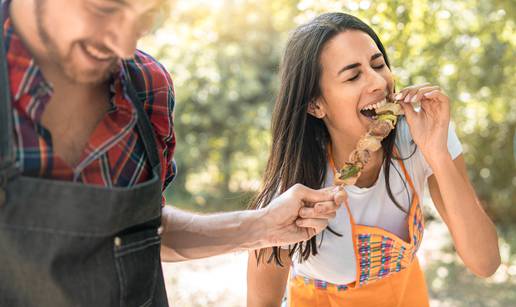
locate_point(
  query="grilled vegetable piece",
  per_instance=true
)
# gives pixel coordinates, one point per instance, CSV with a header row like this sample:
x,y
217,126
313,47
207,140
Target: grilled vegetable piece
x,y
393,108
349,170
348,174
388,117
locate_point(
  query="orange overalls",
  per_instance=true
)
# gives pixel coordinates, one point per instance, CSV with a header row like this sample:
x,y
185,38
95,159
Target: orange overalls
x,y
388,272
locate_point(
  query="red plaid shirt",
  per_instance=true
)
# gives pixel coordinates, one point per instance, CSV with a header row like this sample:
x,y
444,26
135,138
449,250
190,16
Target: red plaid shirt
x,y
114,154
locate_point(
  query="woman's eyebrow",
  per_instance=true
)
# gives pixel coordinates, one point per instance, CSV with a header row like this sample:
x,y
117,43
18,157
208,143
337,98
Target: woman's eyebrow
x,y
354,65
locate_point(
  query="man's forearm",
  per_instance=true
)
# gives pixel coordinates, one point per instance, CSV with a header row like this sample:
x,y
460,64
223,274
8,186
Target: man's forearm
x,y
192,236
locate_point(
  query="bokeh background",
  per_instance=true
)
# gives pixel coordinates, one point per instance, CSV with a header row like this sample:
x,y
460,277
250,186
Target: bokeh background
x,y
224,57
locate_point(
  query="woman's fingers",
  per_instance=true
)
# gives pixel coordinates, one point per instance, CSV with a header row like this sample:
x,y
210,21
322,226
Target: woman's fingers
x,y
409,111
403,95
436,94
419,94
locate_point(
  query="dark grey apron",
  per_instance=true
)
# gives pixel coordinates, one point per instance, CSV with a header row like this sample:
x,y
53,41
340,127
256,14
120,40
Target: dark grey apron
x,y
69,244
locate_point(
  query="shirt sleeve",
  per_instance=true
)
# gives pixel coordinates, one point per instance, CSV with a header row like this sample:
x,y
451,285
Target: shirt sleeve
x,y
168,137
159,105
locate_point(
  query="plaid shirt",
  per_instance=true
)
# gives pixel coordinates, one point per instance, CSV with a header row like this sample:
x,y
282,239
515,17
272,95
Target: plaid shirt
x,y
114,154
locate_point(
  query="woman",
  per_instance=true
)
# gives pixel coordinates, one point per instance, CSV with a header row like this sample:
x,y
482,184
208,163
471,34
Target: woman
x,y
334,68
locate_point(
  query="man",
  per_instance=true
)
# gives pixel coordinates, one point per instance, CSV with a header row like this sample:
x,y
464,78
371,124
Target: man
x,y
86,149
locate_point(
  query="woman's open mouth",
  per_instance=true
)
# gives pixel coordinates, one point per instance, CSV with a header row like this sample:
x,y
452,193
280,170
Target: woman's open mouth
x,y
370,110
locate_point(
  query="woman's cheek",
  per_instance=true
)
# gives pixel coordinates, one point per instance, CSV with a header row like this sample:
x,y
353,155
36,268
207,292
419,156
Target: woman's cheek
x,y
388,76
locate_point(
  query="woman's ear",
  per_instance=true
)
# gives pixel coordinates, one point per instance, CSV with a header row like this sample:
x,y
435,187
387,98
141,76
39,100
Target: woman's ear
x,y
316,109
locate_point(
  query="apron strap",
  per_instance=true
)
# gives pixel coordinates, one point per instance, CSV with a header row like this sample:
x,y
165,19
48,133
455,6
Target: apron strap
x,y
144,126
7,157
405,172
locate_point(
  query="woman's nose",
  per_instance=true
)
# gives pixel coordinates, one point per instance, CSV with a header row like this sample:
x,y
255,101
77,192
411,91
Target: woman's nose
x,y
376,82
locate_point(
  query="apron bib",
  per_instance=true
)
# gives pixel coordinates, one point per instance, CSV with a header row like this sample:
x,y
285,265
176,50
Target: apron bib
x,y
387,270
69,244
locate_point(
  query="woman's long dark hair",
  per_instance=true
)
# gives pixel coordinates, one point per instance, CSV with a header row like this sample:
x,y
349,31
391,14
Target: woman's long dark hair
x,y
299,140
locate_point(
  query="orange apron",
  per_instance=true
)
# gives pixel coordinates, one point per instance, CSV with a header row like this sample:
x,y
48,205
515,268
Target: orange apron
x,y
388,272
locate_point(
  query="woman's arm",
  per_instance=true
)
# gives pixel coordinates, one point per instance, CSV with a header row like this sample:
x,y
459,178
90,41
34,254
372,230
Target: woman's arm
x,y
266,282
473,233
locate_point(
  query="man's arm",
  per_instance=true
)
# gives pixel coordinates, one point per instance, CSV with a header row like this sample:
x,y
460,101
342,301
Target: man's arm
x,y
296,215
191,236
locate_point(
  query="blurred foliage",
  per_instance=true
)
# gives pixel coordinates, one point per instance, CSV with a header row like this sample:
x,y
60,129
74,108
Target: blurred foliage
x,y
224,58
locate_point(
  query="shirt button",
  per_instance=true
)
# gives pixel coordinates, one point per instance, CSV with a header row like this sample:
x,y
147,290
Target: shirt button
x,y
118,242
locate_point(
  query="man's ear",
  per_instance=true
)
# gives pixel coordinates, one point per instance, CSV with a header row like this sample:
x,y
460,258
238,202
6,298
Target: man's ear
x,y
316,109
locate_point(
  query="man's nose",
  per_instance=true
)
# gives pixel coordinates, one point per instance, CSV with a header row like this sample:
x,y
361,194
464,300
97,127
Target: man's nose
x,y
122,41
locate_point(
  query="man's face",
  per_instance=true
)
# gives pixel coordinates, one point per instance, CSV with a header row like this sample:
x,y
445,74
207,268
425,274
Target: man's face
x,y
88,38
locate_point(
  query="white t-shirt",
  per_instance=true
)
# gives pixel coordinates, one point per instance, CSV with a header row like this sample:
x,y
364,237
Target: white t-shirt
x,y
335,261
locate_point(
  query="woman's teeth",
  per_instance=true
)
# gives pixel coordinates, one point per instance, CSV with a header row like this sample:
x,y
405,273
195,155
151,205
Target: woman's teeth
x,y
369,111
376,105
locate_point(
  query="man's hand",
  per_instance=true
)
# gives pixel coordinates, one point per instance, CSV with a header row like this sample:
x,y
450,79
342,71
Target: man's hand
x,y
300,213
294,216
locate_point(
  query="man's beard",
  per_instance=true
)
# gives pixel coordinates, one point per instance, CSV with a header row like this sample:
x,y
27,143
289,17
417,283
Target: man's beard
x,y
65,62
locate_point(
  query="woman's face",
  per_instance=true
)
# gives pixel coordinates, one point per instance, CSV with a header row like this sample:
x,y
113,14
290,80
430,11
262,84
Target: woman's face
x,y
354,75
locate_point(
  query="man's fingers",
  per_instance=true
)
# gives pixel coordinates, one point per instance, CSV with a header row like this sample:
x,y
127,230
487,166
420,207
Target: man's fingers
x,y
340,195
317,225
327,207
310,195
324,210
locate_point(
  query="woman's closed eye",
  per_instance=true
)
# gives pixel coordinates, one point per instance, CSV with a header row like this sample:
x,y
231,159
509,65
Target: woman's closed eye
x,y
355,77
